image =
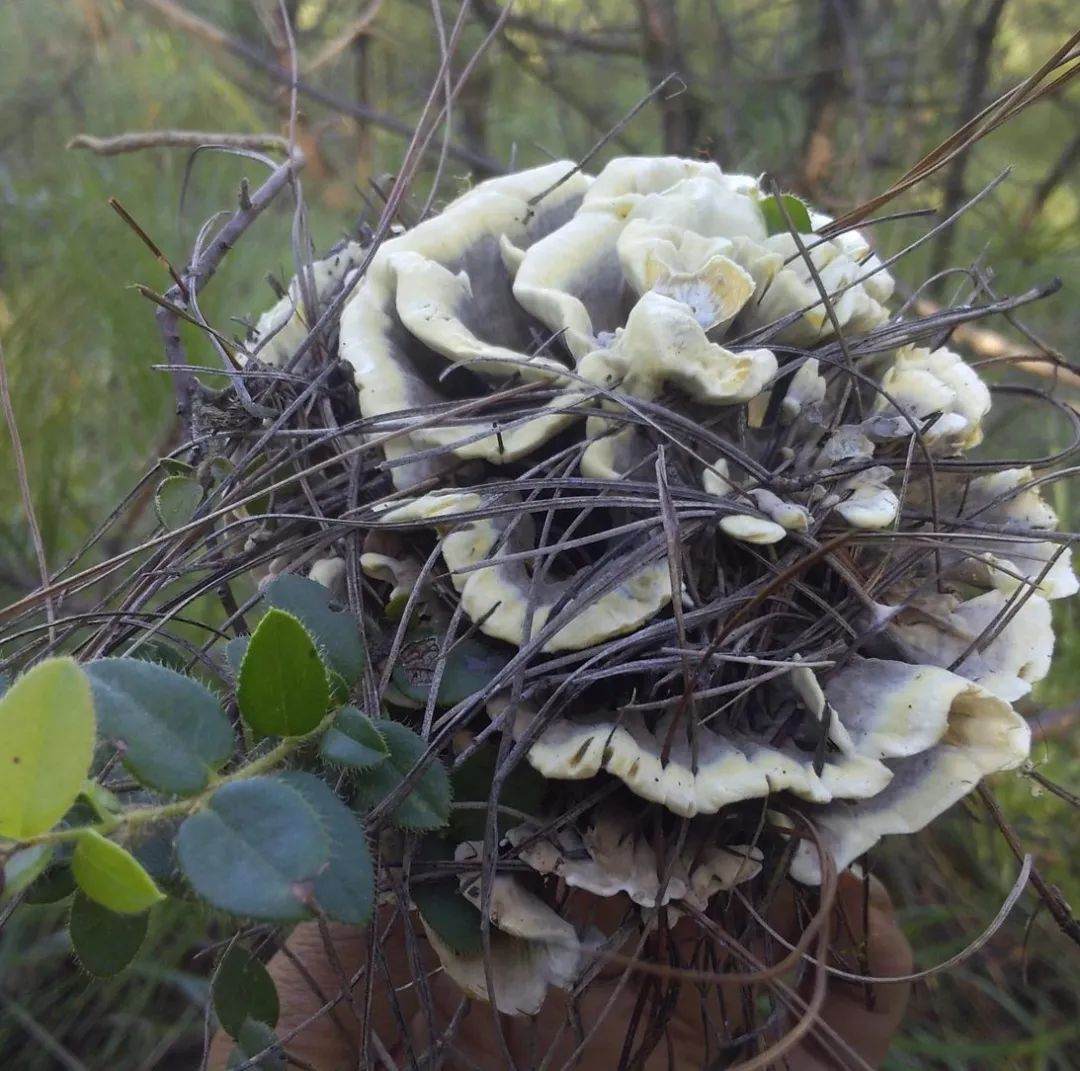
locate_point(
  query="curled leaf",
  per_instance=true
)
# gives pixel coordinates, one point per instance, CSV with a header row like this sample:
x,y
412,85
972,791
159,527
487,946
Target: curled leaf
x,y
352,740
112,877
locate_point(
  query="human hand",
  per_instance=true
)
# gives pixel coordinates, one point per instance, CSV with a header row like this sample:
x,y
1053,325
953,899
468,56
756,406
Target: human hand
x,y
307,977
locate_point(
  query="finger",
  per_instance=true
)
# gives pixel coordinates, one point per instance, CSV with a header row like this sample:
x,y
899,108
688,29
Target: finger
x,y
868,1027
307,978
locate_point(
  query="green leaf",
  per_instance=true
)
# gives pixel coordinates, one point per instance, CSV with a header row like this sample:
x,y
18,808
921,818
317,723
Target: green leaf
x,y
345,889
470,665
172,466
242,990
46,746
216,468
352,740
176,499
441,904
55,884
103,803
339,690
155,855
171,728
254,849
254,1037
164,654
336,632
774,214
110,875
282,688
449,914
235,650
22,869
105,941
523,790
427,806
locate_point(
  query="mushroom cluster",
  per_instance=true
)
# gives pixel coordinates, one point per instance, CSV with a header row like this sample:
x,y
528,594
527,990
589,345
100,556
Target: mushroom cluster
x,y
666,444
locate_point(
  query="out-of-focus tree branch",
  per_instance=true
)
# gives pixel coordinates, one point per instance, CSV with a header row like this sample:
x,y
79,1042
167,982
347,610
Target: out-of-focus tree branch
x,y
978,73
1066,163
205,30
825,96
681,113
609,42
597,120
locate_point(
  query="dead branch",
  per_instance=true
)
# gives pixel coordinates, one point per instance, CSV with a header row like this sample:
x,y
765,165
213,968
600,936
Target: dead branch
x,y
177,139
681,113
988,344
825,96
214,35
974,90
1067,160
199,273
614,43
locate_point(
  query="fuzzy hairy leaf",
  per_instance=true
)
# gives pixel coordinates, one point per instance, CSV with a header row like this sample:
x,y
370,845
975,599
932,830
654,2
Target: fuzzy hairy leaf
x,y
46,746
352,740
282,688
176,499
164,654
172,729
111,876
427,806
335,632
235,650
345,888
104,941
242,990
255,849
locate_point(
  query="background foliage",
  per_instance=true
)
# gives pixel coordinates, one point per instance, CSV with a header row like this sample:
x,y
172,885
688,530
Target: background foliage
x,y
834,97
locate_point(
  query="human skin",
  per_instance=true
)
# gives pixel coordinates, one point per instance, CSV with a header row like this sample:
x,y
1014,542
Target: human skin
x,y
331,1042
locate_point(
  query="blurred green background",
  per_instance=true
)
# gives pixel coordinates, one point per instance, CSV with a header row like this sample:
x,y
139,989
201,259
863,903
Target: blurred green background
x,y
835,98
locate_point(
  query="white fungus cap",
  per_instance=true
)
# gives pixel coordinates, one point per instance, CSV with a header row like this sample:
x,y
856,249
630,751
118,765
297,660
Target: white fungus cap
x,y
532,946
497,593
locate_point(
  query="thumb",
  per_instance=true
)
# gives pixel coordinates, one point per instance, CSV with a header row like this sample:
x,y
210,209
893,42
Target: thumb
x,y
866,1017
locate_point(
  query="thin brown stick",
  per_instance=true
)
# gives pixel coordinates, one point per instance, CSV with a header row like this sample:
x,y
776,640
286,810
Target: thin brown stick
x,y
177,139
1051,895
